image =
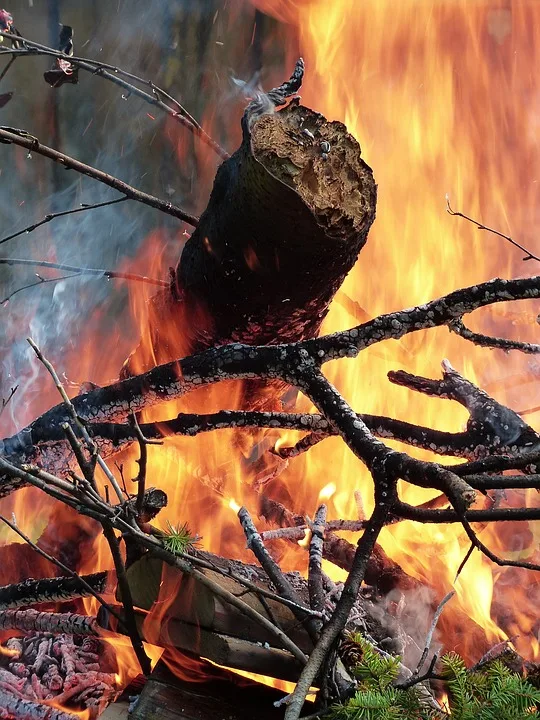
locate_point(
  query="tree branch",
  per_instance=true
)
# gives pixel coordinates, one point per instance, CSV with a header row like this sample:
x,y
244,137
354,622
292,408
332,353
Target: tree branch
x,y
15,136
63,213
480,226
77,271
113,73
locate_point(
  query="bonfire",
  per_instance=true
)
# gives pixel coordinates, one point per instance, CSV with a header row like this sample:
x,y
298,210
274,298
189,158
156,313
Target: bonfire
x,y
286,463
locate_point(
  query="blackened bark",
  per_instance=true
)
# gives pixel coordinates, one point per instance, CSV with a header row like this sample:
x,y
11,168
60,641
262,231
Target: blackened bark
x,y
287,217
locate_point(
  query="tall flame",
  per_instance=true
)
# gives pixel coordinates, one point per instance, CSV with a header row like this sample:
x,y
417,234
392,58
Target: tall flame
x,y
443,100
443,96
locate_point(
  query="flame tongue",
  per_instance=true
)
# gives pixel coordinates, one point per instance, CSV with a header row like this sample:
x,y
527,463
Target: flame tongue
x,y
438,93
430,90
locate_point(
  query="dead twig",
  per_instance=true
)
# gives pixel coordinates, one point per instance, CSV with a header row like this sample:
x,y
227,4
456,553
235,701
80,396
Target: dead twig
x,y
274,572
458,327
429,636
15,136
114,74
5,401
51,216
40,281
127,600
77,420
315,580
77,271
529,255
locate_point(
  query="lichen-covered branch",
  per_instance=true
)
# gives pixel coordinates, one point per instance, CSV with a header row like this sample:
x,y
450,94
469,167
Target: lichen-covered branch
x,y
34,621
47,590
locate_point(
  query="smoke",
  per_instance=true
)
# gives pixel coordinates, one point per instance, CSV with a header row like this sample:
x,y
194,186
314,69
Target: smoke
x,y
106,127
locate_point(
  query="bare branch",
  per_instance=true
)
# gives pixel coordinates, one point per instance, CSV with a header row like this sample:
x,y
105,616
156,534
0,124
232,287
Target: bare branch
x,y
5,401
459,328
480,226
113,74
429,636
19,137
315,580
109,274
63,213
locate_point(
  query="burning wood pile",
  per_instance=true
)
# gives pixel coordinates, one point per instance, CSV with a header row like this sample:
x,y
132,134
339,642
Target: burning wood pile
x,y
243,308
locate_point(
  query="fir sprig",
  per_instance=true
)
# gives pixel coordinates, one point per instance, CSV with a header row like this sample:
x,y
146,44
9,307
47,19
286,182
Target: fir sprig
x,y
177,539
494,692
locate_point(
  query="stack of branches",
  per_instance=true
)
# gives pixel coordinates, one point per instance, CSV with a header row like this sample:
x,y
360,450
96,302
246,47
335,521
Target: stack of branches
x,y
59,452
496,440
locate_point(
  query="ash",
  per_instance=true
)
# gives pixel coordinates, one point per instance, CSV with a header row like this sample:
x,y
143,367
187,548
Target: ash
x,y
64,668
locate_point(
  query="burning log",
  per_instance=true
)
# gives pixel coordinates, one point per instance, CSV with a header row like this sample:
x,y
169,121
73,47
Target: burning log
x,y
34,621
244,278
58,589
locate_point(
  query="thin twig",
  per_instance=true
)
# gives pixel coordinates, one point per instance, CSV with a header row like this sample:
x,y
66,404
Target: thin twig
x,y
113,73
127,599
429,636
63,213
40,281
458,327
19,137
481,226
6,68
464,561
142,461
502,562
109,274
5,401
84,432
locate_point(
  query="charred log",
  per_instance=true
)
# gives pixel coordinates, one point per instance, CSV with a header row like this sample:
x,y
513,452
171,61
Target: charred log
x,y
287,217
47,590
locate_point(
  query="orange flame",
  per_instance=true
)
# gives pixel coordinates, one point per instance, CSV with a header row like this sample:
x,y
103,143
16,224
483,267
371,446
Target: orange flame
x,y
442,97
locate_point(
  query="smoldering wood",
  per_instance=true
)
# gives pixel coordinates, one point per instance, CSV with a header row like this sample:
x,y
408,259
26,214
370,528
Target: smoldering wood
x,y
34,621
69,670
46,590
244,278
